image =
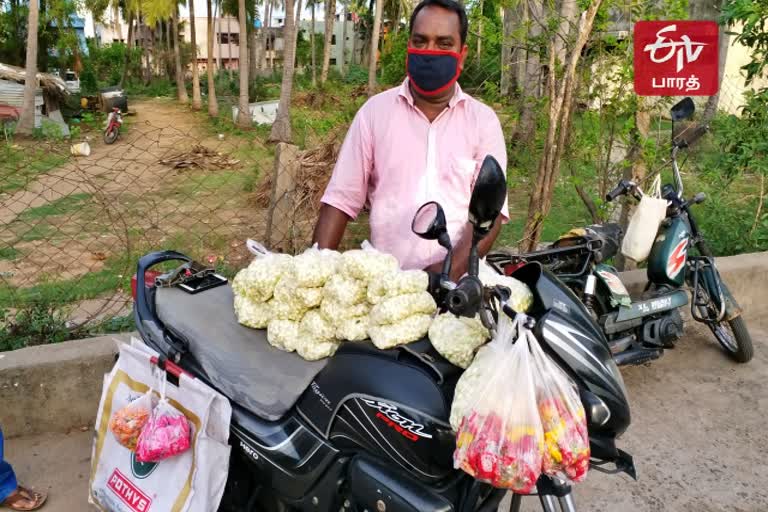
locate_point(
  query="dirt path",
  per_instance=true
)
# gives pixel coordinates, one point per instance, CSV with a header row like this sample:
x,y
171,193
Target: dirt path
x,y
158,127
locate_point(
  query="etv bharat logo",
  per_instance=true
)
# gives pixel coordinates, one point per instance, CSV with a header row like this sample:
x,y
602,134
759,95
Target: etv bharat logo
x,y
676,57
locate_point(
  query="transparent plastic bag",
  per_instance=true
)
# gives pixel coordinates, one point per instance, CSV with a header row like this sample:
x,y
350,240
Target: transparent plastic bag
x,y
126,423
398,308
283,334
255,315
314,267
315,326
337,313
521,297
457,338
500,439
566,440
166,434
397,283
405,331
367,263
345,290
258,280
353,329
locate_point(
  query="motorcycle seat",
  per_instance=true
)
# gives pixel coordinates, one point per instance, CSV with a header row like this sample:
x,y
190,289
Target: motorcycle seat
x,y
609,235
238,361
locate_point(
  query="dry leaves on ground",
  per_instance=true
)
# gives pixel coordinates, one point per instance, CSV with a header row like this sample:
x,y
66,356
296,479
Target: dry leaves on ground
x,y
201,157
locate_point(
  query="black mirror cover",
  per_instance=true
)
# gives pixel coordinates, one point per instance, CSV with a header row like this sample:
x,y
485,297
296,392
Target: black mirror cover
x,y
683,109
488,196
429,222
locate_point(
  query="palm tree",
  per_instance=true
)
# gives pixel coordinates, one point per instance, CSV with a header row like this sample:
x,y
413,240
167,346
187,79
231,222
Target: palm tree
x,y
298,29
197,100
281,129
181,88
244,113
27,120
374,48
343,39
213,104
330,15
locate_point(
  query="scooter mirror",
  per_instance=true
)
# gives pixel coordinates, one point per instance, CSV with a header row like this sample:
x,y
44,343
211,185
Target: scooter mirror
x,y
683,109
429,222
488,196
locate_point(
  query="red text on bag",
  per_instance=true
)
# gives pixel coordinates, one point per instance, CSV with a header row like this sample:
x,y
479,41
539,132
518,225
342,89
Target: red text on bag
x,y
676,58
129,493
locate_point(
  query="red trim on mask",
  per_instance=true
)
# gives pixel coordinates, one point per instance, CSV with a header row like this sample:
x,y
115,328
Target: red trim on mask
x,y
442,89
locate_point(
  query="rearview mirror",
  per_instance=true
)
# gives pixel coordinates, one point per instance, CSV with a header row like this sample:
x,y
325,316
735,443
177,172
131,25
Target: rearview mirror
x,y
488,197
429,223
683,109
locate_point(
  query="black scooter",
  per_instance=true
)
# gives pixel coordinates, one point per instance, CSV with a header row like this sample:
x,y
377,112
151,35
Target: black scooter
x,y
639,330
368,429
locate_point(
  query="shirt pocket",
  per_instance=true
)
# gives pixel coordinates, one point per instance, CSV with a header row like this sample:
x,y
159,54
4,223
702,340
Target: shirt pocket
x,y
461,177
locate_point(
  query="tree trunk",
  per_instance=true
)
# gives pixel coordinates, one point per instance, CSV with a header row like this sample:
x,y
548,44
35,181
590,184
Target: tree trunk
x,y
262,64
27,119
117,26
569,15
197,100
254,53
374,48
531,86
312,45
129,48
399,17
330,14
343,47
181,88
560,107
168,55
298,31
521,55
353,50
507,65
217,29
281,129
244,113
710,109
229,45
480,31
637,171
213,104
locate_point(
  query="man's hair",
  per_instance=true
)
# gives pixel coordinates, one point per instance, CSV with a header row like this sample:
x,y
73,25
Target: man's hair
x,y
451,5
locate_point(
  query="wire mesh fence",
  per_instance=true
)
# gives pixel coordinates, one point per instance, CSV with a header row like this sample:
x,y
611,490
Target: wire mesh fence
x,y
75,226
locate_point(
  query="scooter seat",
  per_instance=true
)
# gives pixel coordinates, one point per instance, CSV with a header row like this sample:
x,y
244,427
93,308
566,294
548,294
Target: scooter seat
x,y
238,361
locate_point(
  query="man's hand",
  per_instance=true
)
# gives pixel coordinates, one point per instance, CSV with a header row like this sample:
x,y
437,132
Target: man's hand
x,y
460,260
330,227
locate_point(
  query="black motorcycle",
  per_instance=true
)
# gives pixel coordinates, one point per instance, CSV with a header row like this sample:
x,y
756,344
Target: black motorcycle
x,y
368,429
639,330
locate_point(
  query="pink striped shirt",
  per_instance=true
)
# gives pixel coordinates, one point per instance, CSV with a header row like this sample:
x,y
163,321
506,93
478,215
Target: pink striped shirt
x,y
394,160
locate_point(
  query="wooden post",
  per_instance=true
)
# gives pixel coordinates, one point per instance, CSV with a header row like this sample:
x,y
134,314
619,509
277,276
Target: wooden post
x,y
280,216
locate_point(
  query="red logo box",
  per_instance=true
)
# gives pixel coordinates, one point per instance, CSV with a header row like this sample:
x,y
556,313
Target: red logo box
x,y
129,493
676,58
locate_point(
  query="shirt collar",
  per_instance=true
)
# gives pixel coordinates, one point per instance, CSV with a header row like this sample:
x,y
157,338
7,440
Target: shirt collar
x,y
458,95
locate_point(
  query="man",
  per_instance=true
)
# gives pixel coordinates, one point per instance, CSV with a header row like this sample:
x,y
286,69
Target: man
x,y
422,141
12,495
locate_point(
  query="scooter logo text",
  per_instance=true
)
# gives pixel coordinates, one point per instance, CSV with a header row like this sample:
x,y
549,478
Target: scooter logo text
x,y
390,415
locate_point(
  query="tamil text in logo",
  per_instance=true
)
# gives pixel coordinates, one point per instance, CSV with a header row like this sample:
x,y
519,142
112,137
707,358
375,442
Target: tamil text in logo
x,y
675,58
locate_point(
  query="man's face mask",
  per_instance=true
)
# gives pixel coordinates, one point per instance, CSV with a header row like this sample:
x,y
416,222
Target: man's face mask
x,y
432,71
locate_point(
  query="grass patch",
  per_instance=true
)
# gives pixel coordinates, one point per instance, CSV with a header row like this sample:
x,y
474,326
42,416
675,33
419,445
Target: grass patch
x,y
213,182
20,165
8,253
37,232
61,206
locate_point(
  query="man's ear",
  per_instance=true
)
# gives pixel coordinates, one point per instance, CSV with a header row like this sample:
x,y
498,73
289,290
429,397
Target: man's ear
x,y
463,53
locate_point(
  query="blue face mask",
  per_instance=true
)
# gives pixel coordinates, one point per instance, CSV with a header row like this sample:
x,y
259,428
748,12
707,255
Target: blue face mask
x,y
432,72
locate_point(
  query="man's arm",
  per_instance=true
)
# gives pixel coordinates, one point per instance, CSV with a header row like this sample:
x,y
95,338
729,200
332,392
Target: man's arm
x,y
460,260
330,227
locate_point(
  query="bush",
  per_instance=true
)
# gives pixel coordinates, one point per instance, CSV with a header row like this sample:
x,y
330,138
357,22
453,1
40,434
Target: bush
x,y
37,323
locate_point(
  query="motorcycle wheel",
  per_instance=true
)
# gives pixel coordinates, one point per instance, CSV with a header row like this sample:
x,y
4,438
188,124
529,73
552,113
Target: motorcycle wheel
x,y
111,136
732,335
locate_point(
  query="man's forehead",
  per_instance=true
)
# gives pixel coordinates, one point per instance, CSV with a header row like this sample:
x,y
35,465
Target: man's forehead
x,y
434,20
